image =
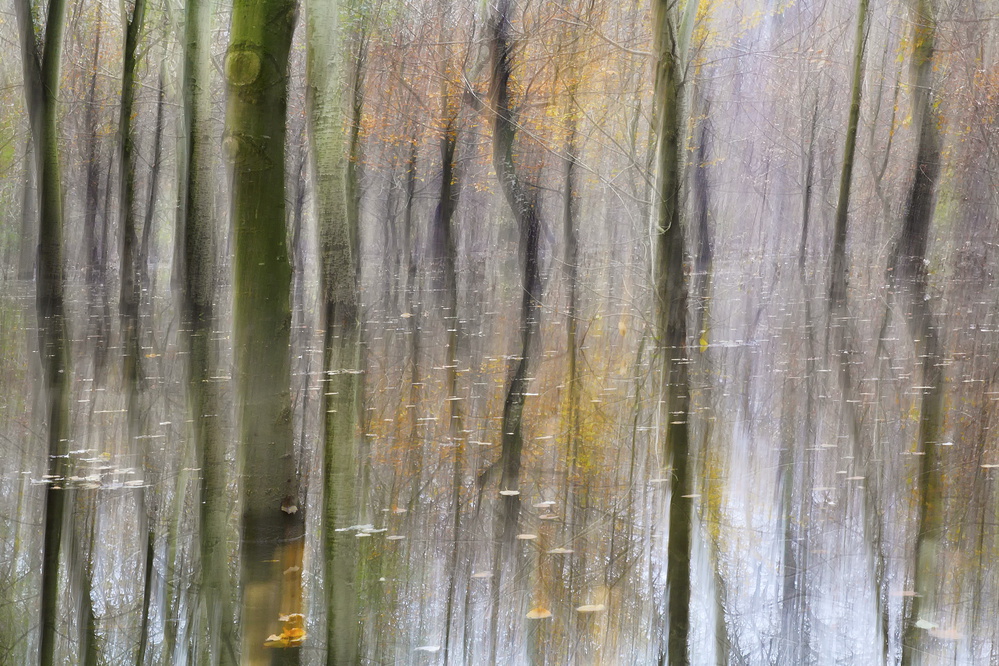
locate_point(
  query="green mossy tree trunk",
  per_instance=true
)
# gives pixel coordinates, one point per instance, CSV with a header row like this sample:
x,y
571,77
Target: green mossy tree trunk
x,y
336,215
195,275
272,524
41,84
29,201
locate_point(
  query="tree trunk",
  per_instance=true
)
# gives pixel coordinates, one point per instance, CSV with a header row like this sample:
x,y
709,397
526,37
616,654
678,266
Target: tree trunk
x,y
576,488
840,325
194,271
909,282
445,256
272,525
838,279
671,323
703,270
413,307
91,239
131,286
336,213
41,84
154,179
29,208
522,197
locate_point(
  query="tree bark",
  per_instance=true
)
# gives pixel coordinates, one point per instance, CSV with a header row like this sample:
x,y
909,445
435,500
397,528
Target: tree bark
x,y
838,279
92,241
41,84
444,235
272,525
194,273
29,206
154,179
671,323
522,198
131,285
336,214
910,282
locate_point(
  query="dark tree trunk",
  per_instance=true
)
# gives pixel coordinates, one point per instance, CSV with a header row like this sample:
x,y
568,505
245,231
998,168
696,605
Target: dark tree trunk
x,y
41,85
671,324
838,279
522,198
444,236
91,239
910,284
131,284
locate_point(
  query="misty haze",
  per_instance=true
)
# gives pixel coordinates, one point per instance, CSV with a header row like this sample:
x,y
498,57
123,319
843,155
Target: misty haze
x,y
506,332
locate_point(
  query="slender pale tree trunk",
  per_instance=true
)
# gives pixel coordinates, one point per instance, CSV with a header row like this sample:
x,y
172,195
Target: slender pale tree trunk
x,y
336,213
82,549
154,179
29,207
795,462
808,169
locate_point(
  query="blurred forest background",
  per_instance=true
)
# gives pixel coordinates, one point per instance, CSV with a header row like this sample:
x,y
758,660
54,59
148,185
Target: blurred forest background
x,y
500,332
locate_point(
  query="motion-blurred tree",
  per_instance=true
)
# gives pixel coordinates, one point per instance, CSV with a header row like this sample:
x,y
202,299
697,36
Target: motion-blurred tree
x,y
672,35
332,85
272,522
41,85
